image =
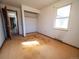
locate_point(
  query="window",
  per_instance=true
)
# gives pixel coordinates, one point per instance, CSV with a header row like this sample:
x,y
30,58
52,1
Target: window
x,y
62,17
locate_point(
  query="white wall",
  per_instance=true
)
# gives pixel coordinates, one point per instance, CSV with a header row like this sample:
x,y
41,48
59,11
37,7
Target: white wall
x,y
2,37
47,19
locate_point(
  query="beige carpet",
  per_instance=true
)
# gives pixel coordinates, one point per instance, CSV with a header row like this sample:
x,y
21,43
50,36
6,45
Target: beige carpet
x,y
46,49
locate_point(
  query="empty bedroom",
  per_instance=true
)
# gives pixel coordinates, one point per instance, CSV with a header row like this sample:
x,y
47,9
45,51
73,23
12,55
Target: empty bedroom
x,y
39,29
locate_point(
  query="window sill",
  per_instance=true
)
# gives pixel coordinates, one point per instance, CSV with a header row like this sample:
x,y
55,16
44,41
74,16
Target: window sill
x,y
62,29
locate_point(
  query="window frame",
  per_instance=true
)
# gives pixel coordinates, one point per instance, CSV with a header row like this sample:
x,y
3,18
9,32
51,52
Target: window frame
x,y
64,29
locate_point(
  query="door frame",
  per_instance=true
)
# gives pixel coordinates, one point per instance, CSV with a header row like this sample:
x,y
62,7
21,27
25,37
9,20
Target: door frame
x,y
17,18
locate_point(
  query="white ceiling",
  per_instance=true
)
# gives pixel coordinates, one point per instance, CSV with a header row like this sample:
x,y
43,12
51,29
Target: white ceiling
x,y
32,3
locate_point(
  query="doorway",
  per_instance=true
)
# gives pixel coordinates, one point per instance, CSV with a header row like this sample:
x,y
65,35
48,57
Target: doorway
x,y
12,16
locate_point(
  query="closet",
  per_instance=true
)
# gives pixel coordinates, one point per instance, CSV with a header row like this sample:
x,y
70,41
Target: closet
x,y
30,22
